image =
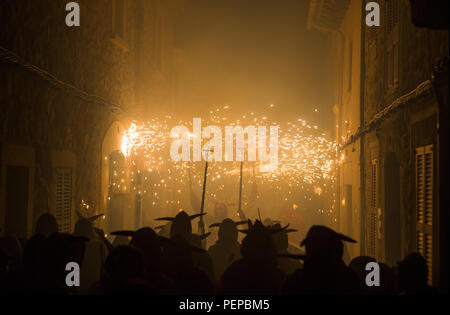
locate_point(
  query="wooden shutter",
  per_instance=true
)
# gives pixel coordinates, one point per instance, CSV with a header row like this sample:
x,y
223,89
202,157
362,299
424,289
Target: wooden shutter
x,y
64,199
425,204
373,214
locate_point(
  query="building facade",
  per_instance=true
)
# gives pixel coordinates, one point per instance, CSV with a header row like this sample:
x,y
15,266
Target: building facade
x,y
401,138
342,21
67,94
389,131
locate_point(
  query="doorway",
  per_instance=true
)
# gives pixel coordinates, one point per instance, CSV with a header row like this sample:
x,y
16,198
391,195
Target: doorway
x,y
17,182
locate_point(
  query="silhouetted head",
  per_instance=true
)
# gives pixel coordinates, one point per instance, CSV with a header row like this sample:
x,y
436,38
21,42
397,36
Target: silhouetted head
x,y
177,254
358,265
323,241
56,252
412,272
163,230
148,243
268,222
11,246
196,239
65,246
32,251
389,281
257,245
146,238
227,230
84,228
46,225
220,211
124,263
120,240
280,239
181,224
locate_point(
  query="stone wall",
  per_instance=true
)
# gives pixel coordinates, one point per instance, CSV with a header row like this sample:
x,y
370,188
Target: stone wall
x,y
419,50
36,114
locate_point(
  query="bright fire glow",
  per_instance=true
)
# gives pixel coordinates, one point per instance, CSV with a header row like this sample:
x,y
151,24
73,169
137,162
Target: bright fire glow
x,y
307,159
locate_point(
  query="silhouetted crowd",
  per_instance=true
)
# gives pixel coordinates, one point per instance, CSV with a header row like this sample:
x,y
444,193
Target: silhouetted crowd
x,y
174,261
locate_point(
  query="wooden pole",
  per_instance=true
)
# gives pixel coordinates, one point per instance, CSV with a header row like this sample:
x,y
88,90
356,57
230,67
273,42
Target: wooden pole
x,y
201,225
240,187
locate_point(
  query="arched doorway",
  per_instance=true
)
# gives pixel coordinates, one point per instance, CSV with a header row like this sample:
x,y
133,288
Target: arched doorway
x,y
119,200
114,202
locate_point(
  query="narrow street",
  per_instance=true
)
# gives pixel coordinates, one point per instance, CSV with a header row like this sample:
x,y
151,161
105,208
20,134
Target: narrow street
x,y
259,147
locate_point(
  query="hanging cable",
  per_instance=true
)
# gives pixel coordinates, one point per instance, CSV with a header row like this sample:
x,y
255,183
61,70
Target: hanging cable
x,y
10,57
423,89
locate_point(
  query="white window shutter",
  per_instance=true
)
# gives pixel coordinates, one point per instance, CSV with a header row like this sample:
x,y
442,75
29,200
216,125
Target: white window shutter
x,y
425,204
64,199
373,217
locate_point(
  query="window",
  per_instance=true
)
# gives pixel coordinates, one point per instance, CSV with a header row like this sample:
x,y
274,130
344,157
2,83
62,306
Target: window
x,y
373,213
64,199
424,204
392,44
17,196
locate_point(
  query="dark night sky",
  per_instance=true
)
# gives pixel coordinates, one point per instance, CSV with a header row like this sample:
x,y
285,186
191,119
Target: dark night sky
x,y
250,54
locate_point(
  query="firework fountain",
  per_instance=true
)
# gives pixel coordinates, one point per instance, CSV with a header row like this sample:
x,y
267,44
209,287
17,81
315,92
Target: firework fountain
x,y
305,172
